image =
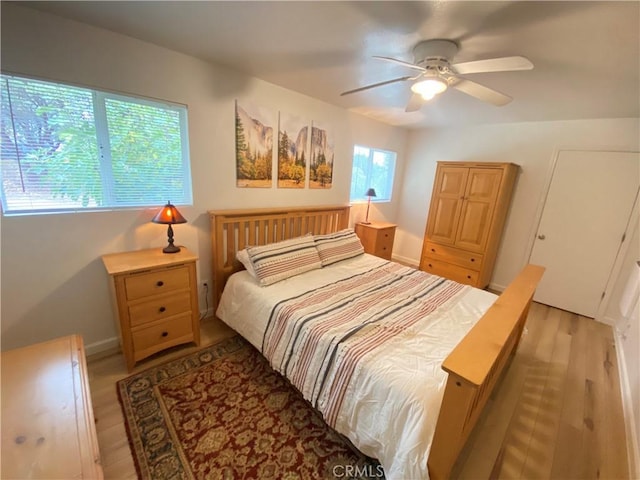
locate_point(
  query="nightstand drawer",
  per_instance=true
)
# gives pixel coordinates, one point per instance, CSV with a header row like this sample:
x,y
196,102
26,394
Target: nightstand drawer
x,y
156,282
377,238
384,243
453,255
161,335
160,307
450,271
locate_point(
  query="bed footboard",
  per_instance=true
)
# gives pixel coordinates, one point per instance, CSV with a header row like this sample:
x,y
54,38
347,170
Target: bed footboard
x,y
475,366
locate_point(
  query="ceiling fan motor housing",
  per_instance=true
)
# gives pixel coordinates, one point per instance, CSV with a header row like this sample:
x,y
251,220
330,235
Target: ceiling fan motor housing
x,y
434,50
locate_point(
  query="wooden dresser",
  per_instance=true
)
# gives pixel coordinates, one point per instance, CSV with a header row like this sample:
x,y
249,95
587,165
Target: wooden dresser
x,y
48,429
469,204
377,238
156,300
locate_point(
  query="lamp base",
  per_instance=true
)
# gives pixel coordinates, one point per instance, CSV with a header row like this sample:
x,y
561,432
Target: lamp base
x,y
171,249
365,223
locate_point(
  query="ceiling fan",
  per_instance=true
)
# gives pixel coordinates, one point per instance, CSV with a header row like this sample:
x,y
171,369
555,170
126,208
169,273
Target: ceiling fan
x,y
433,59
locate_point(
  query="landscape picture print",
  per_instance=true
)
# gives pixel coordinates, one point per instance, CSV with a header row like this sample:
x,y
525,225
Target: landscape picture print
x,y
254,146
321,162
293,134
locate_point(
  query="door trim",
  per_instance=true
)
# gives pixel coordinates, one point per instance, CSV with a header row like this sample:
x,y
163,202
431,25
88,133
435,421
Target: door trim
x,y
624,246
617,263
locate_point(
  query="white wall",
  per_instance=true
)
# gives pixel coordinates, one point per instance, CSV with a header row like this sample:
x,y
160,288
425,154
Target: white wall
x,y
623,312
530,145
53,281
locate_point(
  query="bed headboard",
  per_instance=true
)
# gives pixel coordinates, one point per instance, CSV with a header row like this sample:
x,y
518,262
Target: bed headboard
x,y
233,230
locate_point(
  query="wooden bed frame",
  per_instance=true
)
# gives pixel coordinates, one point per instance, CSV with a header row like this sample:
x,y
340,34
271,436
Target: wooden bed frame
x,y
474,366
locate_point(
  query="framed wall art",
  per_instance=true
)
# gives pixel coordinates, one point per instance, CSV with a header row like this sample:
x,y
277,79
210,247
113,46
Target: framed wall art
x,y
293,151
254,146
322,153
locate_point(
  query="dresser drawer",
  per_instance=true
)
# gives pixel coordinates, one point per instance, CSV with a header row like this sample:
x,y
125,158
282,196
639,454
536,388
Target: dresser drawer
x,y
153,283
454,255
160,307
160,335
450,271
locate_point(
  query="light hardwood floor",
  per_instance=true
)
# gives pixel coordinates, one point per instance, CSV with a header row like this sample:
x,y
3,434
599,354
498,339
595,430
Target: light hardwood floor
x,y
557,414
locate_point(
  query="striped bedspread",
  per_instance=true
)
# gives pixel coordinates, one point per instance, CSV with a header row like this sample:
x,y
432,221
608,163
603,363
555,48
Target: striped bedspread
x,y
316,339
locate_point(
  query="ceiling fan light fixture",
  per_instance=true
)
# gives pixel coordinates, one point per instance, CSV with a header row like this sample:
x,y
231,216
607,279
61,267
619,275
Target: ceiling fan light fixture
x,y
429,88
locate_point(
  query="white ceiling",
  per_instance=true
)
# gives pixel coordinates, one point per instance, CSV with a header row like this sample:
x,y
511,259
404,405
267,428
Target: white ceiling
x,y
586,54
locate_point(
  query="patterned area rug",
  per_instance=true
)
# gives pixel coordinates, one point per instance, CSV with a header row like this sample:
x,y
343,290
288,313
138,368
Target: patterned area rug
x,y
223,413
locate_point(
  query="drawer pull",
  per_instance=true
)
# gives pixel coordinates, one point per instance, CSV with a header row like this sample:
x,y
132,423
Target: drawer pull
x,y
160,283
386,235
430,266
164,334
162,309
469,277
433,250
473,259
384,248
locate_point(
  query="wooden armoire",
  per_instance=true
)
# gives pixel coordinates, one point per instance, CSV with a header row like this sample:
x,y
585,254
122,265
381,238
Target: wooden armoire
x,y
468,208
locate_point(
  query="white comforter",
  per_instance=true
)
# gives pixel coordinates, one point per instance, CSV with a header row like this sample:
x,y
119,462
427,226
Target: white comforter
x,y
394,396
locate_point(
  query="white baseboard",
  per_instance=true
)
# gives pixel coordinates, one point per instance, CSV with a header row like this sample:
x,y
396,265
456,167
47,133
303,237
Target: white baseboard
x,y
633,442
113,344
406,261
102,346
496,287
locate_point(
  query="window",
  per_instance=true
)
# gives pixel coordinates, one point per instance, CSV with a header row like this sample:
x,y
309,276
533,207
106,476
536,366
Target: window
x,y
372,168
66,148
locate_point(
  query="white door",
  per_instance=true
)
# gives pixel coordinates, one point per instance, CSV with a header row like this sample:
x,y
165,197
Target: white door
x,y
585,216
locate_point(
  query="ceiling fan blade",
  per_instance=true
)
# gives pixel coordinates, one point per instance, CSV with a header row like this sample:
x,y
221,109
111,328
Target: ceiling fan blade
x,y
415,103
504,64
481,92
374,85
401,62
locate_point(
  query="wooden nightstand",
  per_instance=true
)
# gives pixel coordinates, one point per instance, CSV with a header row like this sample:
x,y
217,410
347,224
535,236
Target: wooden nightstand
x,y
156,300
377,238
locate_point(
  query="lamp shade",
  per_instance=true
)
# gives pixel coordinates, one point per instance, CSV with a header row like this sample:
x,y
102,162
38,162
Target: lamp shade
x,y
370,193
168,215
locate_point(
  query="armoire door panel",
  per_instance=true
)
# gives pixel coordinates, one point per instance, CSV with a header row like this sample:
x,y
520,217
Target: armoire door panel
x,y
445,220
453,181
449,189
474,226
483,184
480,196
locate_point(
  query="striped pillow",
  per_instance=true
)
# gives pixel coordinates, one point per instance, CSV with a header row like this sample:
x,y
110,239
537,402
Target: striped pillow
x,y
277,261
338,246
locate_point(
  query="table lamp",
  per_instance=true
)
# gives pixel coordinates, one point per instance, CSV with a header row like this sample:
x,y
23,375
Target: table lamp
x,y
169,215
370,193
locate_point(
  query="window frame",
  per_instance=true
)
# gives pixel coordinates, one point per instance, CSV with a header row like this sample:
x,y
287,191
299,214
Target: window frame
x,y
99,99
390,181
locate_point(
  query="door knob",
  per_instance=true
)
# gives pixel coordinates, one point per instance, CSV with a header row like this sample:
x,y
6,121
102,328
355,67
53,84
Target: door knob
x,y
541,237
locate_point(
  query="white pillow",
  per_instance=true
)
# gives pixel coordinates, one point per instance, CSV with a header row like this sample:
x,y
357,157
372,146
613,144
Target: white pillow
x,y
243,258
